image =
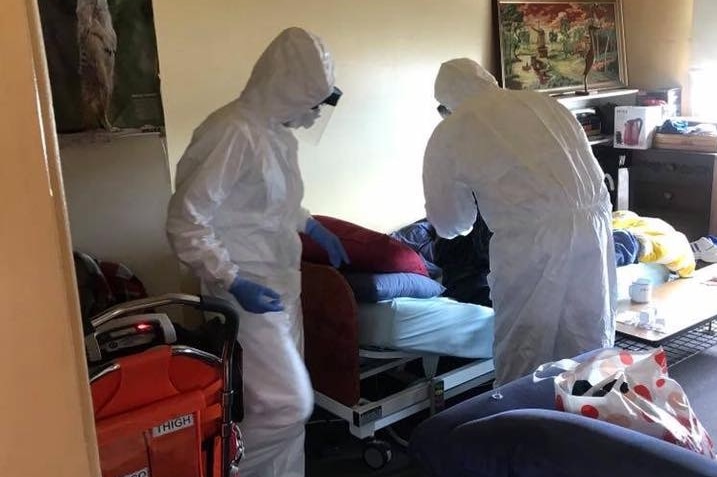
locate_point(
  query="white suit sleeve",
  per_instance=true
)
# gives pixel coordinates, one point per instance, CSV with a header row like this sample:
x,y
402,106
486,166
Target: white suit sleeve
x,y
304,216
450,205
193,205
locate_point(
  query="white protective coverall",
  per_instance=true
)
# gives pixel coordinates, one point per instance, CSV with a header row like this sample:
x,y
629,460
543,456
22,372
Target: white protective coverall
x,y
527,162
236,210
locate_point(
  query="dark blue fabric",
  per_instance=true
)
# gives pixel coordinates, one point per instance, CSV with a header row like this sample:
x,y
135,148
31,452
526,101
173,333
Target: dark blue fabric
x,y
627,247
521,435
549,443
674,126
465,263
427,444
434,271
373,287
420,236
464,260
461,263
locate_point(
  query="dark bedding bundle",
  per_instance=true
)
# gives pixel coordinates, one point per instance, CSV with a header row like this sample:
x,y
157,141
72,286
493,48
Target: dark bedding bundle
x,y
461,263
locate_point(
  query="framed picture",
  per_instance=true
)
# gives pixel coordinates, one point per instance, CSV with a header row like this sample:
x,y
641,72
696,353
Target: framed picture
x,y
560,46
103,64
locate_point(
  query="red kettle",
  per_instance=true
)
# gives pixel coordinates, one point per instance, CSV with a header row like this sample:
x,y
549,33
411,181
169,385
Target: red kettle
x,y
633,128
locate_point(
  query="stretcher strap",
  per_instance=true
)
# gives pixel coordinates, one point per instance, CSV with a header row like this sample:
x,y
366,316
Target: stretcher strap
x,y
236,450
212,419
169,449
162,440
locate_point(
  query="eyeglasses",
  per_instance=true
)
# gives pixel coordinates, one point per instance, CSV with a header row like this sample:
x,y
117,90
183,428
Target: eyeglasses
x,y
332,99
443,111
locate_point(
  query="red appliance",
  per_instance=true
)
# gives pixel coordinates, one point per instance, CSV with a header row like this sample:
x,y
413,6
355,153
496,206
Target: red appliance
x,y
633,127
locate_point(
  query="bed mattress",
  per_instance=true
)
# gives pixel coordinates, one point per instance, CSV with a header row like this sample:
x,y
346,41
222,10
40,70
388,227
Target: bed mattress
x,y
446,327
427,325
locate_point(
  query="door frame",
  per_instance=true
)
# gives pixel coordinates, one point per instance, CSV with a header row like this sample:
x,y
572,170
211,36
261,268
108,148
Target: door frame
x,y
47,424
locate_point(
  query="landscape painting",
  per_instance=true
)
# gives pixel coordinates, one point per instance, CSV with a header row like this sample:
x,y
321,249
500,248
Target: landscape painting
x,y
561,46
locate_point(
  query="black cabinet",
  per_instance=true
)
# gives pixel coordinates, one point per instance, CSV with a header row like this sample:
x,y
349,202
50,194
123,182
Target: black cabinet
x,y
677,187
615,163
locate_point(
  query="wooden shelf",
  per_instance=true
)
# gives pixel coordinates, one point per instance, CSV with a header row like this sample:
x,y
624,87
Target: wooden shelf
x,y
622,97
99,136
610,93
598,140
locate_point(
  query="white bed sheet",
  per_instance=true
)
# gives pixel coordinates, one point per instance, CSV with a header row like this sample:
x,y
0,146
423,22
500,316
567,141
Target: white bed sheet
x,y
446,327
427,325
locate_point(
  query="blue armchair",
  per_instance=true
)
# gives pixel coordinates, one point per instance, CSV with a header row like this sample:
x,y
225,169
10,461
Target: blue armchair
x,y
517,433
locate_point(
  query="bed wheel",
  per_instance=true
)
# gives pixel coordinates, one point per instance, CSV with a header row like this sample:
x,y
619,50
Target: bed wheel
x,y
376,453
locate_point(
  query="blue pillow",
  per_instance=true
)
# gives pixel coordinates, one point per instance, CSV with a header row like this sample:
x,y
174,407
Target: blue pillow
x,y
373,287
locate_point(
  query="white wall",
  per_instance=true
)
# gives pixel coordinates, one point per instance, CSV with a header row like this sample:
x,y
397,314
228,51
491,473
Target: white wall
x,y
367,168
117,193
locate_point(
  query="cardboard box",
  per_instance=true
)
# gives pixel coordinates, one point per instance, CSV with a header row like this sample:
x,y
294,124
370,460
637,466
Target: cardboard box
x,y
635,126
671,97
685,142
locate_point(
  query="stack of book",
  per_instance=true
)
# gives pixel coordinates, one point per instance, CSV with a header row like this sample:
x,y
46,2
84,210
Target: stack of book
x,y
589,120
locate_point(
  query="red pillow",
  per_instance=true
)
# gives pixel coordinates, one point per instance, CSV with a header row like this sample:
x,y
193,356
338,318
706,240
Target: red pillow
x,y
368,250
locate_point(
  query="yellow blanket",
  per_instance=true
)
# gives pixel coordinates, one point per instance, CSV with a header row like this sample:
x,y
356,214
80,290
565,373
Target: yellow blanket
x,y
659,242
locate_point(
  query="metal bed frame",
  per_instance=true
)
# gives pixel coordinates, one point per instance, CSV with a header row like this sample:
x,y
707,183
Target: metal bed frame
x,y
422,392
680,347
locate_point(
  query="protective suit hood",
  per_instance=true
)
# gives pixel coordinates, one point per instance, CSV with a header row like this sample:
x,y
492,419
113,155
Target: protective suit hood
x,y
460,79
294,74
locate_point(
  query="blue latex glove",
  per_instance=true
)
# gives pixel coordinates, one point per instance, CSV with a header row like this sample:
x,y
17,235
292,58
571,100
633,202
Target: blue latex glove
x,y
255,298
328,241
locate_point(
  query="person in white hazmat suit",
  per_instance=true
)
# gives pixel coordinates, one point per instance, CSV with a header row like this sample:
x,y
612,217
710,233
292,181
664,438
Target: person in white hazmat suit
x,y
234,220
524,160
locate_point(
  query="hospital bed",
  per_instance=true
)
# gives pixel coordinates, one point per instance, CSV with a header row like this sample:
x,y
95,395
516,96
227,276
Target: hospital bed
x,y
373,364
412,343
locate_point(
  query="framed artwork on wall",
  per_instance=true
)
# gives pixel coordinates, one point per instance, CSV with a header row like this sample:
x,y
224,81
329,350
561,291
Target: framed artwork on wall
x,y
558,46
103,64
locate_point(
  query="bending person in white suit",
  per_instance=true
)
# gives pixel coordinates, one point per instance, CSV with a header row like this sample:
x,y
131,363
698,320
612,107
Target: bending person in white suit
x,y
526,162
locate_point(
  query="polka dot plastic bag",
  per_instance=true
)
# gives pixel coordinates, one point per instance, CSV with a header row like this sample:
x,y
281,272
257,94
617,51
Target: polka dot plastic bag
x,y
632,389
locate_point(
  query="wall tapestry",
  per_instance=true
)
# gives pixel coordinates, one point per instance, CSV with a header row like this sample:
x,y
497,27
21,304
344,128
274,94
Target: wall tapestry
x,y
103,66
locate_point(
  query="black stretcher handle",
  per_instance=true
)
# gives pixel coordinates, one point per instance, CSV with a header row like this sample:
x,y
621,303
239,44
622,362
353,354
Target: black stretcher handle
x,y
224,308
204,303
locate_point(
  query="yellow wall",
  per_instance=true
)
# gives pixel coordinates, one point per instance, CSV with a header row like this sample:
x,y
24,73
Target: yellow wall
x,y
45,411
367,167
658,36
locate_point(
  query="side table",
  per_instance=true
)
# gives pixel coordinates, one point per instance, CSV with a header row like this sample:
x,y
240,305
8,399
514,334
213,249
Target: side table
x,y
688,307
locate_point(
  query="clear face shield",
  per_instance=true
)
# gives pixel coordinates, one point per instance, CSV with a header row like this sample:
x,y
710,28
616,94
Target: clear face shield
x,y
311,125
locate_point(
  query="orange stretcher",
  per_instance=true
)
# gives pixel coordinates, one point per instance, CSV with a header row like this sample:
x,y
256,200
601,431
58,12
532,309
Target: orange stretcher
x,y
167,410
